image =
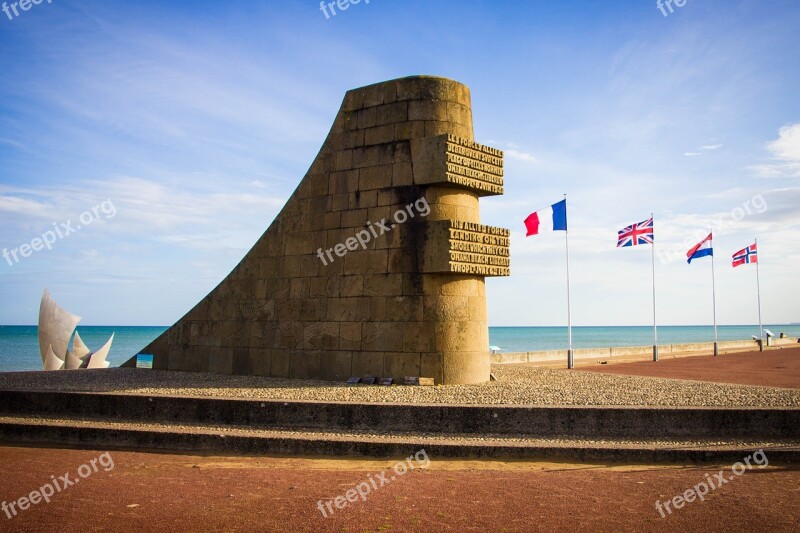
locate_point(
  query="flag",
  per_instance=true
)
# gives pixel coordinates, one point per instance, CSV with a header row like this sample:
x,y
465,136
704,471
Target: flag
x,y
746,256
635,234
701,249
553,218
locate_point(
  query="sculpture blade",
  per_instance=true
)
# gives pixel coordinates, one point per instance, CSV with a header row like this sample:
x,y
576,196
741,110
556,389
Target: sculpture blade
x,y
55,327
98,358
71,362
52,362
79,348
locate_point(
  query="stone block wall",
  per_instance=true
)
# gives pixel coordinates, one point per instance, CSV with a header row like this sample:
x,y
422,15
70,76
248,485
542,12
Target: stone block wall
x,y
375,265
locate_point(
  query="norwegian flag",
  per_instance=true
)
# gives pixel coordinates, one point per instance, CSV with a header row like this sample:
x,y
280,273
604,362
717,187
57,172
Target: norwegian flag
x,y
746,256
636,234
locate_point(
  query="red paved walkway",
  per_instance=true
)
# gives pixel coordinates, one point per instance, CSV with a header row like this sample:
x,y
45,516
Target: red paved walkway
x,y
176,493
774,368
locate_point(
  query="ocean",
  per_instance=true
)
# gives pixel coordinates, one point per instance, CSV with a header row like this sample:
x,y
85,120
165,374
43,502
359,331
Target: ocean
x,y
529,339
19,345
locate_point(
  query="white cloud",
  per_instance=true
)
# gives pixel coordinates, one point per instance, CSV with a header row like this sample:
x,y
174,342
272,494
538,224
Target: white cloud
x,y
177,213
787,146
22,206
774,170
512,150
520,156
785,152
706,147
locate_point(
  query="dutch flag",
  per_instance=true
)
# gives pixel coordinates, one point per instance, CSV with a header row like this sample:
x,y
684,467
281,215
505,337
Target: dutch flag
x,y
701,249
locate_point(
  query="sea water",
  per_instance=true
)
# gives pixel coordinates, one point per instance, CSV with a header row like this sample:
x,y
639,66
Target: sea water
x,y
19,345
530,339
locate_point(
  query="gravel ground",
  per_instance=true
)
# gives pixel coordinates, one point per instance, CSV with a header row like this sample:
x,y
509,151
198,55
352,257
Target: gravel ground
x,y
516,385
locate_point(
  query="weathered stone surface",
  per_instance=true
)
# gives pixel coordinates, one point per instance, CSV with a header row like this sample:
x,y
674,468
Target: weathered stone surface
x,y
376,264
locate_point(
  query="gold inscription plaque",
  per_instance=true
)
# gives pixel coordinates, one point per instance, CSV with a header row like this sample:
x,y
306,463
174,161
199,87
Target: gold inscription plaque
x,y
466,248
447,159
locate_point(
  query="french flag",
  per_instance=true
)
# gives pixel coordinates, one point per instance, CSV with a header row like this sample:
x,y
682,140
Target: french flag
x,y
701,249
553,218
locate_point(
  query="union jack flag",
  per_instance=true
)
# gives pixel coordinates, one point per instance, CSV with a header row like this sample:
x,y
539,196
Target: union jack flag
x,y
746,256
635,234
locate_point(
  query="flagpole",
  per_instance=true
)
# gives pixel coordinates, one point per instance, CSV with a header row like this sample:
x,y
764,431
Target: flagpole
x,y
655,328
714,294
570,357
758,285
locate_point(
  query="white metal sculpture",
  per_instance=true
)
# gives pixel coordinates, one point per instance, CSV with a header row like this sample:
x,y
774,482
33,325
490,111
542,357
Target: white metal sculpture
x,y
56,328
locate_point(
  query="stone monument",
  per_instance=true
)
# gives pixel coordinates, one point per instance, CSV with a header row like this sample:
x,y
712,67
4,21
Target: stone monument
x,y
376,264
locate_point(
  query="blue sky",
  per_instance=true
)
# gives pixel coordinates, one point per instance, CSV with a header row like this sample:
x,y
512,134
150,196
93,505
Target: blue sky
x,y
196,120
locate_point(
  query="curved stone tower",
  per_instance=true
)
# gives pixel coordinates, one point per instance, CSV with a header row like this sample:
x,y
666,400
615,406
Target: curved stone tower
x,y
376,264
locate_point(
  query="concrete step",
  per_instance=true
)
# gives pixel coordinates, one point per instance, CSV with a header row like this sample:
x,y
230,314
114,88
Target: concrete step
x,y
206,438
586,434
531,421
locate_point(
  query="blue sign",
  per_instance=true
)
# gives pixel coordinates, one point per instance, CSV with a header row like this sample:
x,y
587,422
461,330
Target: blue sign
x,y
144,360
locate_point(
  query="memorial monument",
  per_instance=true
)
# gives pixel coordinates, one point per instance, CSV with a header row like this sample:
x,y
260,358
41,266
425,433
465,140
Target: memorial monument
x,y
57,328
376,264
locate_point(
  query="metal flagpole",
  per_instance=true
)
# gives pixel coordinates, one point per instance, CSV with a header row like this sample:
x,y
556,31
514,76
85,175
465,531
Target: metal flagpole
x,y
655,328
570,358
714,294
758,285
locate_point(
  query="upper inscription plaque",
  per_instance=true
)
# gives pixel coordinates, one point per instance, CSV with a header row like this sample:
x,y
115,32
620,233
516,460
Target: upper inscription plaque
x,y
447,159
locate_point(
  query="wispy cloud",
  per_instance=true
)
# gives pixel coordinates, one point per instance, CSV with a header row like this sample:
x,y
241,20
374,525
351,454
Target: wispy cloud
x,y
177,213
704,148
513,151
520,156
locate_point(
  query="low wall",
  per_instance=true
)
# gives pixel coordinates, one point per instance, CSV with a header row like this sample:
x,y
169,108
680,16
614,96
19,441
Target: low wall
x,y
619,422
545,356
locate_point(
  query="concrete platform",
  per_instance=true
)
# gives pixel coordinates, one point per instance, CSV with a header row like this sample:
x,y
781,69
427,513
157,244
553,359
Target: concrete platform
x,y
632,434
529,413
237,441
